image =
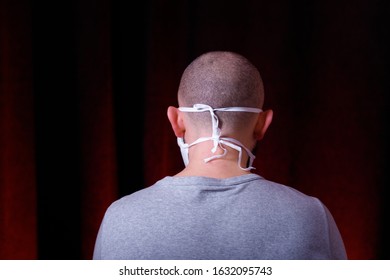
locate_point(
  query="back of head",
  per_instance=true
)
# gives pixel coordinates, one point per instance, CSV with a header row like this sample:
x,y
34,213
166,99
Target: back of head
x,y
221,79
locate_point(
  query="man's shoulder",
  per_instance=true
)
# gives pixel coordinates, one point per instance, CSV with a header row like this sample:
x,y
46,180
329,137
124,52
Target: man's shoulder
x,y
138,198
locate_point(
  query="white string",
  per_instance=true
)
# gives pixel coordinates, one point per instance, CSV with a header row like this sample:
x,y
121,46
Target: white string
x,y
216,132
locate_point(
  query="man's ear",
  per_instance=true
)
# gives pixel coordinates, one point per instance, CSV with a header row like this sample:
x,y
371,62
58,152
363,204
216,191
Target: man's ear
x,y
263,122
176,120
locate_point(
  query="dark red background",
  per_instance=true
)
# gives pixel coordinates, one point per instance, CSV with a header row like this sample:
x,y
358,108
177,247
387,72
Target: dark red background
x,y
84,88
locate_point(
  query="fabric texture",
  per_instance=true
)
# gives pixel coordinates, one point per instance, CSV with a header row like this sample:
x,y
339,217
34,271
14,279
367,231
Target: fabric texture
x,y
244,217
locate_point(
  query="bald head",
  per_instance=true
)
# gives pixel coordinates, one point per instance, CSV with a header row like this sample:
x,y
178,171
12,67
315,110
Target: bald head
x,y
221,79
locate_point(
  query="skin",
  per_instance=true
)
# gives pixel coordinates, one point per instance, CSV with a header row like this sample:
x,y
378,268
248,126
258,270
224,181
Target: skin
x,y
249,133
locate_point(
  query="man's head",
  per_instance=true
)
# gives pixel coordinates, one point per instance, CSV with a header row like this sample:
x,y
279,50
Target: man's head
x,y
220,99
221,79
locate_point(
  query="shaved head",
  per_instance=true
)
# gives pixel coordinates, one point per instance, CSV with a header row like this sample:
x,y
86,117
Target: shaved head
x,y
221,79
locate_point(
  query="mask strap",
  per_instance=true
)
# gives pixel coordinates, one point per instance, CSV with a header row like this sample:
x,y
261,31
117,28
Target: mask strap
x,y
216,131
235,144
214,121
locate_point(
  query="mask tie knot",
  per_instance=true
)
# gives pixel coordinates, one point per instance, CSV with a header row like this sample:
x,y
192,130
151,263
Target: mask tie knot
x,y
216,134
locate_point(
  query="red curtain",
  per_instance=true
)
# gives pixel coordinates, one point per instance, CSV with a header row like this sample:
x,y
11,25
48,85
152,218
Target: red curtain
x,y
17,168
84,90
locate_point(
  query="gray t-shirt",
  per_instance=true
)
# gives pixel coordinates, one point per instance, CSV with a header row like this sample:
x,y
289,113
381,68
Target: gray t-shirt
x,y
244,217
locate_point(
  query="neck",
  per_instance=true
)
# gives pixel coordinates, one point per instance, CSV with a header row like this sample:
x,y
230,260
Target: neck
x,y
224,167
212,172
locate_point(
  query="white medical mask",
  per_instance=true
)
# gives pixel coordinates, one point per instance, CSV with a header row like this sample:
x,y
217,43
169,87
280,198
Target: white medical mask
x,y
216,135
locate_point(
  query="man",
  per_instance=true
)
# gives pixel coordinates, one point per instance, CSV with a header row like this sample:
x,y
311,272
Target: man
x,y
216,207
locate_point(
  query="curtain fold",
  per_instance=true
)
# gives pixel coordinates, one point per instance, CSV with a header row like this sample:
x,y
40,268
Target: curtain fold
x,y
18,209
98,160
